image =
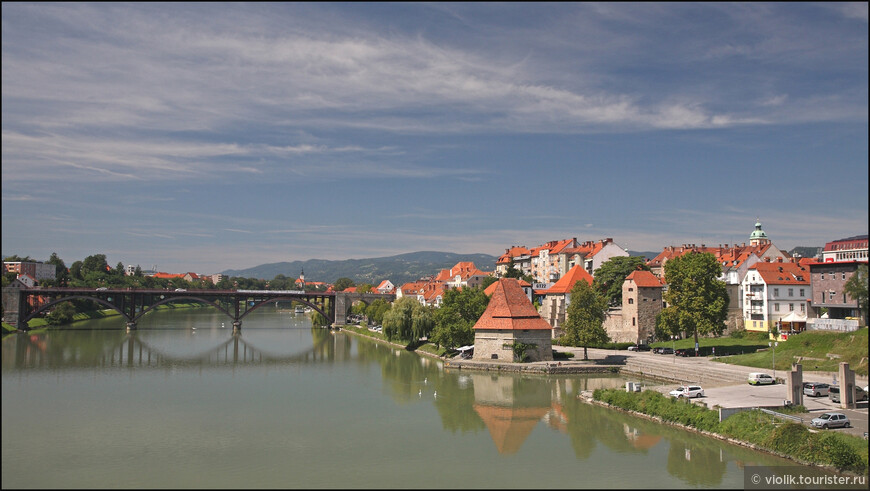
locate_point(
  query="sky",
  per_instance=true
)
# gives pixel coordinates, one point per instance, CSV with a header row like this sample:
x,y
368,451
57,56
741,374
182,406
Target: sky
x,y
205,137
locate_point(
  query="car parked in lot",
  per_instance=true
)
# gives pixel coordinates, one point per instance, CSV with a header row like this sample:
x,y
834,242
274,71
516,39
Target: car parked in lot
x,y
816,389
760,379
831,420
683,352
834,393
639,347
666,351
688,391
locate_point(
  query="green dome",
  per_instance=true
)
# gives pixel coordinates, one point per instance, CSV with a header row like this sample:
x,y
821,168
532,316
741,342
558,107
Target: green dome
x,y
758,233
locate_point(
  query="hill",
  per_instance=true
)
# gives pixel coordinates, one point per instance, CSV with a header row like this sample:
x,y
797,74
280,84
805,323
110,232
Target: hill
x,y
398,269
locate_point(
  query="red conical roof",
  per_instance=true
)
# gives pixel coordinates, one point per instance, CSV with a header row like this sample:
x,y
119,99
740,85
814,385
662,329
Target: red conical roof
x,y
510,308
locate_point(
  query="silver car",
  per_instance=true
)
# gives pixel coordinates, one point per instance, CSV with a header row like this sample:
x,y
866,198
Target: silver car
x,y
816,389
831,420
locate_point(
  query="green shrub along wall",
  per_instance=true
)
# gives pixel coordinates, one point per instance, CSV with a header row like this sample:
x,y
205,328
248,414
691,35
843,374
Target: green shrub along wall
x,y
843,451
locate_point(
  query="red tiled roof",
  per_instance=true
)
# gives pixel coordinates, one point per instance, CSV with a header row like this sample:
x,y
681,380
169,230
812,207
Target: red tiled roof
x,y
510,309
645,279
566,283
782,273
513,252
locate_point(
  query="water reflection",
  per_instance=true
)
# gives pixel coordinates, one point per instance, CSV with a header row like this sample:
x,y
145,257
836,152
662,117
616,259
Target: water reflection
x,y
499,416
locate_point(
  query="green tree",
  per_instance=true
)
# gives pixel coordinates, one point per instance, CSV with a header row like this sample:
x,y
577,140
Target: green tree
x,y
455,319
697,301
364,288
610,276
513,272
75,270
408,320
94,264
61,273
119,269
487,281
585,323
342,283
856,287
61,314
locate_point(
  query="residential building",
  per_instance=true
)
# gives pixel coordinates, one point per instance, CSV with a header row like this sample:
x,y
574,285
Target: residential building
x,y
773,291
385,287
520,256
430,290
832,307
593,254
510,318
38,271
555,300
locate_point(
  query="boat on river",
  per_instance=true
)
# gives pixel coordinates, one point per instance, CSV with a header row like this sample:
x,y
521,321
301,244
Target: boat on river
x,y
299,309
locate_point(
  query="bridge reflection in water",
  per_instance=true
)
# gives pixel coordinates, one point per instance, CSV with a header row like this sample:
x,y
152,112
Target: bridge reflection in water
x,y
131,350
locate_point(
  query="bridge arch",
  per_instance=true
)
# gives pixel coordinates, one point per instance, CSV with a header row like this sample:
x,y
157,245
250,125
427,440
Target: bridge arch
x,y
52,303
313,305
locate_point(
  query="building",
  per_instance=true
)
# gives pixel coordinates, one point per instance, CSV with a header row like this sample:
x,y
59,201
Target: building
x,y
774,290
38,271
385,287
849,249
508,320
735,260
519,256
430,290
555,300
635,320
832,307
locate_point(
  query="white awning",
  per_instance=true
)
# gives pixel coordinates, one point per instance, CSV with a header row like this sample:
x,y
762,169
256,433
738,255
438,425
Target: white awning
x,y
794,317
465,348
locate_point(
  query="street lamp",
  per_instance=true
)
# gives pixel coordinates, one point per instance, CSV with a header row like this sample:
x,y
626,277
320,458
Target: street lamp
x,y
773,345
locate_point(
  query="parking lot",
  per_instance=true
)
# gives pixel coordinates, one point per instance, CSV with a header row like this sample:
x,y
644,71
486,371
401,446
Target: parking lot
x,y
745,395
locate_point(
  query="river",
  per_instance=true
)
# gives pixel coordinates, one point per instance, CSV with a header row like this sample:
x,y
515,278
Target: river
x,y
181,402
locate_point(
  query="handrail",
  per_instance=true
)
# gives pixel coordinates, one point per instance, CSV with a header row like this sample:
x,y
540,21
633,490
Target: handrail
x,y
789,417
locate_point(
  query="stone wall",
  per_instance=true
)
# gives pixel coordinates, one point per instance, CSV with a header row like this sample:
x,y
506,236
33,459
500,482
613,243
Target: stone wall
x,y
497,342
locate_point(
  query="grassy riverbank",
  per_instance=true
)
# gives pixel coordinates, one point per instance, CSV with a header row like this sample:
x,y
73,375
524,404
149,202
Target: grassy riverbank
x,y
38,325
425,348
795,441
814,350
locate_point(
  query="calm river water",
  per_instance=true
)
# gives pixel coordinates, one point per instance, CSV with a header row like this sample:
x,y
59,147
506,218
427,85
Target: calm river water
x,y
184,403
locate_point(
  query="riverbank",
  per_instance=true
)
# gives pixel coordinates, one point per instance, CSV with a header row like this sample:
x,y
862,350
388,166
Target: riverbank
x,y
39,325
832,451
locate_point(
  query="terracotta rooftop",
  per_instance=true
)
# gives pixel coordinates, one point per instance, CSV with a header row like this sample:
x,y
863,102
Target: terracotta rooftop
x,y
567,282
645,279
510,309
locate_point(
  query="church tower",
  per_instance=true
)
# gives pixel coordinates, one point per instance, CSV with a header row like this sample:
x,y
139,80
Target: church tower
x,y
302,279
758,237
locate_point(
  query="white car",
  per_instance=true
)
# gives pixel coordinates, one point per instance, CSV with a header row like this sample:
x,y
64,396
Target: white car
x,y
760,379
688,391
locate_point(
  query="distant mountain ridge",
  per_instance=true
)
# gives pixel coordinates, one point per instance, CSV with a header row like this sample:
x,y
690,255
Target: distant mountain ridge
x,y
399,269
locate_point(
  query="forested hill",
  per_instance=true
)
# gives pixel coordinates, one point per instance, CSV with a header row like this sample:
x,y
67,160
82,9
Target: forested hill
x,y
398,269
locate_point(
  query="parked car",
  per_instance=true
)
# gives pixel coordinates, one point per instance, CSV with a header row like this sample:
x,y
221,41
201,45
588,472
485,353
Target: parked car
x,y
683,352
688,391
102,289
816,389
657,350
639,347
180,290
831,420
666,351
760,379
834,394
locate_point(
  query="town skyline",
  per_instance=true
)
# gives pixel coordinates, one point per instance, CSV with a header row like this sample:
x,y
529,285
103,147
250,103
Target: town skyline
x,y
214,137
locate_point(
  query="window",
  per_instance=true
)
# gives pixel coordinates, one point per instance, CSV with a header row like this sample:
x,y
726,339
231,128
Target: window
x,y
776,292
803,308
844,275
831,294
776,307
630,289
791,307
802,292
634,321
791,292
630,301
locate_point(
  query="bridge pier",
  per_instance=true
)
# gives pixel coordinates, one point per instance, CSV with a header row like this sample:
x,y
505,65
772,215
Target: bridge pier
x,y
131,326
237,327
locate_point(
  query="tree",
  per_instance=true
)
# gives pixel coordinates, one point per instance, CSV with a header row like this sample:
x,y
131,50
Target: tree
x,y
856,288
610,276
697,301
408,320
343,283
455,319
61,314
61,273
487,281
513,272
585,323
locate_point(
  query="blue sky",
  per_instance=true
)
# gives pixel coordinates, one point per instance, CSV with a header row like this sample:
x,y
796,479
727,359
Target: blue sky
x,y
203,137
